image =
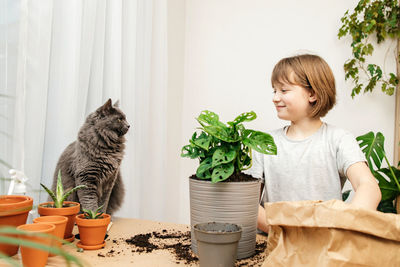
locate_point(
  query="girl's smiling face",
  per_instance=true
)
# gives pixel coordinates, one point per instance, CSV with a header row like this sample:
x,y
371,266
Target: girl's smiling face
x,y
292,102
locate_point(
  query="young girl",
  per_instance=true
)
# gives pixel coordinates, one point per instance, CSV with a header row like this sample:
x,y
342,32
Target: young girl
x,y
314,158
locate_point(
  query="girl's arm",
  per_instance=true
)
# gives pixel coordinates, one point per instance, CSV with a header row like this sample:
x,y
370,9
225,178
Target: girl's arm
x,y
262,220
367,192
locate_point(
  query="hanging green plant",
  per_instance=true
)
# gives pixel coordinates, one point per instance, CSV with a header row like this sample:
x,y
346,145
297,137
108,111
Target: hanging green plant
x,y
379,18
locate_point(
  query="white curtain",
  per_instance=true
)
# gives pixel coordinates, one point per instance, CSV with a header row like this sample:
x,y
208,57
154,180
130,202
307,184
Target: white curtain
x,y
73,55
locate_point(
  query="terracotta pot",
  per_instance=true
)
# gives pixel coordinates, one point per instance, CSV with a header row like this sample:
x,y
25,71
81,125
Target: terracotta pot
x,y
60,222
32,257
13,212
229,202
92,231
69,212
217,243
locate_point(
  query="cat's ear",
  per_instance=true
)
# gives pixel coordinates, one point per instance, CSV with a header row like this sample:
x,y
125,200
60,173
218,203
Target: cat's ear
x,y
116,104
106,107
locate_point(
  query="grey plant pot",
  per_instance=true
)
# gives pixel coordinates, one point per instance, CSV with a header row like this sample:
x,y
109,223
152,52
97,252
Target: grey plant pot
x,y
227,202
217,243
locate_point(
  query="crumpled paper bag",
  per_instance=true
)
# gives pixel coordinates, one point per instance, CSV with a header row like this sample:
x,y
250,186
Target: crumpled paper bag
x,y
330,234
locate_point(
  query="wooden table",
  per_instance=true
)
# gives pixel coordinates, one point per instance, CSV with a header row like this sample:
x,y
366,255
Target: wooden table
x,y
118,253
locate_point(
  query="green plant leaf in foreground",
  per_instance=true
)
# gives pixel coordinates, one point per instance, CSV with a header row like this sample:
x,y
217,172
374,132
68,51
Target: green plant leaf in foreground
x,y
203,141
222,172
259,141
221,156
6,239
246,116
204,169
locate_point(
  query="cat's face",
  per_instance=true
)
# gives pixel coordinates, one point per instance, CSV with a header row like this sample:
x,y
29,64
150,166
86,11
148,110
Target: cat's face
x,y
109,119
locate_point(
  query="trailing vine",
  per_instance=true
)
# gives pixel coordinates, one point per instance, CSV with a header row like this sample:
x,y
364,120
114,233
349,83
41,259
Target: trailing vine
x,y
380,18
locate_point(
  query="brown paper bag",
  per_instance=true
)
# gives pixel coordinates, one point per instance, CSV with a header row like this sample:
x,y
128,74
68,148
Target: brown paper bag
x,y
330,234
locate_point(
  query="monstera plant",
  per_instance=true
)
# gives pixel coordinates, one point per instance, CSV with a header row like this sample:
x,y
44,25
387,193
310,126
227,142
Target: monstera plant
x,y
223,149
388,177
220,191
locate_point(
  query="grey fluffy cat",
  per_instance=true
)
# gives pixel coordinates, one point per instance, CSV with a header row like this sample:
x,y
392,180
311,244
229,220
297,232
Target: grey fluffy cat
x,y
94,160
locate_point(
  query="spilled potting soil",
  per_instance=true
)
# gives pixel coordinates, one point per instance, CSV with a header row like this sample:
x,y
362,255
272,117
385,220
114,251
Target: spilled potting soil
x,y
177,242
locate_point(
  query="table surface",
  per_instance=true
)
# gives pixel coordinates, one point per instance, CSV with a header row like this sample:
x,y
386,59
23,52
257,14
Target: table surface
x,y
117,252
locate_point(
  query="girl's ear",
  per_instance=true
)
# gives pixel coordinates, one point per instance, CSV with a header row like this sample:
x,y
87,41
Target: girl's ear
x,y
312,98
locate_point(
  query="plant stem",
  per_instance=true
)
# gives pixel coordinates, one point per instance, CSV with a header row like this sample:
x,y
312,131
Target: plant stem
x,y
391,171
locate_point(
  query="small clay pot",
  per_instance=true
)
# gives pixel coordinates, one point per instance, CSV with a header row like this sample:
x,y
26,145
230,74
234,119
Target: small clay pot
x,y
92,231
13,212
32,257
217,243
60,222
70,211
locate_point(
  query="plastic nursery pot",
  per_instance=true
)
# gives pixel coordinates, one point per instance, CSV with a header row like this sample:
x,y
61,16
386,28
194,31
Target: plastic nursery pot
x,y
69,210
13,212
217,243
32,257
60,222
92,231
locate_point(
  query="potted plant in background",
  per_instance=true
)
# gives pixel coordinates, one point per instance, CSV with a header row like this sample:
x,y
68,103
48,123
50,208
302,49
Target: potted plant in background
x,y
61,207
220,191
388,177
92,227
13,212
374,22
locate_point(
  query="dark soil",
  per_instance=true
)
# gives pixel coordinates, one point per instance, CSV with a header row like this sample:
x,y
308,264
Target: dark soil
x,y
257,258
235,177
141,241
177,242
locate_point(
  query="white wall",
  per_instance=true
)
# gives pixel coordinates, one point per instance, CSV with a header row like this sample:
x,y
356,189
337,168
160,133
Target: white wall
x,y
231,48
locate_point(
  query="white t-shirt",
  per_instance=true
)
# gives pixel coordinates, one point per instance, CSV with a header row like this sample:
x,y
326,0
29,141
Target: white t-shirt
x,y
310,169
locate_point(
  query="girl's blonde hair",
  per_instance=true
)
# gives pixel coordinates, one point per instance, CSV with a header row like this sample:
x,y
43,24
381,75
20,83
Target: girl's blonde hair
x,y
312,73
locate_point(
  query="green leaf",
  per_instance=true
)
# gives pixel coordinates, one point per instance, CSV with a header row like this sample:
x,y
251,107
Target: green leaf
x,y
371,69
210,118
387,183
345,195
373,147
9,260
59,191
192,152
222,172
204,169
222,156
259,141
203,141
246,116
71,191
5,238
386,206
222,133
51,193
